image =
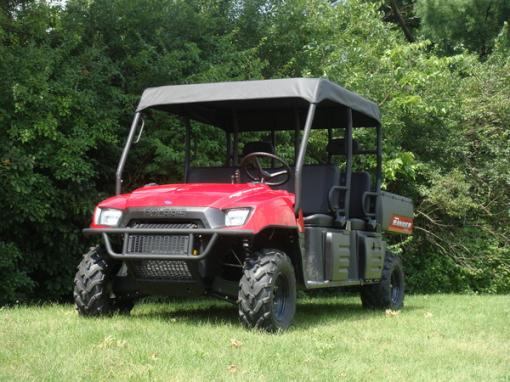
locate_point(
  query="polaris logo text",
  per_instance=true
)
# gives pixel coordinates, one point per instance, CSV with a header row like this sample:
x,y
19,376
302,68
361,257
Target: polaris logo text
x,y
163,212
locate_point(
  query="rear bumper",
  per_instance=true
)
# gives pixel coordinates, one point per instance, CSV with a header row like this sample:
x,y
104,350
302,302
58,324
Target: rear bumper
x,y
214,234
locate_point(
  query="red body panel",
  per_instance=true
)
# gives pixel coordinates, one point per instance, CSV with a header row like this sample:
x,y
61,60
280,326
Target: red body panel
x,y
269,207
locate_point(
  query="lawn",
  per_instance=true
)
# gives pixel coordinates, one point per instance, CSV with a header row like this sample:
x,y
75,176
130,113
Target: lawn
x,y
435,338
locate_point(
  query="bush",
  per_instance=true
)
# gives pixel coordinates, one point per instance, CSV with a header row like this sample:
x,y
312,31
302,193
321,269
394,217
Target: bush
x,y
71,78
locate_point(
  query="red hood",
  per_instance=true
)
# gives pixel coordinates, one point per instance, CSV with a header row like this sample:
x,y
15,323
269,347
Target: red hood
x,y
269,207
195,195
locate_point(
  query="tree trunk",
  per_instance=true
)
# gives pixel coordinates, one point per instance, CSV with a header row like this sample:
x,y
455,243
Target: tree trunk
x,y
401,21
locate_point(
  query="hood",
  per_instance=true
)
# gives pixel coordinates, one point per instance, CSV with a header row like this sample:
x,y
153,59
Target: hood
x,y
194,195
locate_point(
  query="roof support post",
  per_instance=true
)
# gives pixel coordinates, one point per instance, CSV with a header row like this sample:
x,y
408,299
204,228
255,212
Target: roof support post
x,y
330,137
378,174
228,138
235,122
301,157
125,151
296,134
348,169
187,148
273,143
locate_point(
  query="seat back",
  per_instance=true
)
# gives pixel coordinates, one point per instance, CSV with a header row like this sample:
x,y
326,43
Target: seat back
x,y
360,183
257,146
211,174
317,181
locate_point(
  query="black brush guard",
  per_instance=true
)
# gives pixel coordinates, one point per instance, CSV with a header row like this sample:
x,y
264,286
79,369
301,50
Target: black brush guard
x,y
187,244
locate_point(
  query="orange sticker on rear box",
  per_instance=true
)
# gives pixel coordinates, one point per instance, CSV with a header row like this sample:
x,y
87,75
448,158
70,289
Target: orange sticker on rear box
x,y
401,224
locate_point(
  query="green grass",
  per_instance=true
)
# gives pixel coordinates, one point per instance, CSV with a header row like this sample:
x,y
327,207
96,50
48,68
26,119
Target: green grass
x,y
436,338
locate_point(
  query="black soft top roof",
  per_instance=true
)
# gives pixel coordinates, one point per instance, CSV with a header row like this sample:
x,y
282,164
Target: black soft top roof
x,y
263,105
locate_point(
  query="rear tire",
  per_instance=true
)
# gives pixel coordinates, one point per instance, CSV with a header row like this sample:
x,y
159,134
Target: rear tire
x,y
389,293
267,291
93,287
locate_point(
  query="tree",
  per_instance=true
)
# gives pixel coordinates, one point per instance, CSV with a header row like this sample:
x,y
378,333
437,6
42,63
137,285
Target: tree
x,y
71,78
431,110
473,24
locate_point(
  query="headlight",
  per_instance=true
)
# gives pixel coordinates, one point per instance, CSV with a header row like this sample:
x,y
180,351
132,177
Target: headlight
x,y
107,216
236,216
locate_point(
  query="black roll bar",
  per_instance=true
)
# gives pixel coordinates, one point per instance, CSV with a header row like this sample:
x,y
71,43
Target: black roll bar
x,y
297,128
379,158
125,151
187,149
235,122
348,170
228,139
301,157
273,143
330,137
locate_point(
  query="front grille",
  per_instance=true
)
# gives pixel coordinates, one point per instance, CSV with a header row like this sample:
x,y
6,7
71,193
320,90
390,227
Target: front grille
x,y
160,244
161,270
178,245
163,225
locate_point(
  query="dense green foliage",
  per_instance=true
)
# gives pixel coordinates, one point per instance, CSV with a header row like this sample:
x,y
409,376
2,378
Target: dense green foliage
x,y
457,24
452,25
71,77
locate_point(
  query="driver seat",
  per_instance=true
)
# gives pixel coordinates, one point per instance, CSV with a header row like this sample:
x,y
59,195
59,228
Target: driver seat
x,y
258,147
317,180
224,174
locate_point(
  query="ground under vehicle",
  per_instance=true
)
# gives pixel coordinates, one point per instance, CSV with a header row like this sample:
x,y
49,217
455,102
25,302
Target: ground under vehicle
x,y
250,233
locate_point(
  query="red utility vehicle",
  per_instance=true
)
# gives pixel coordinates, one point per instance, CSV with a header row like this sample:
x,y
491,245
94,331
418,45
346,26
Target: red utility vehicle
x,y
256,229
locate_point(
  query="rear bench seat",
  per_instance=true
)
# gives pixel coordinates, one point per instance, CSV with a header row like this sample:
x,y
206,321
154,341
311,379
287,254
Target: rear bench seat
x,y
317,180
360,183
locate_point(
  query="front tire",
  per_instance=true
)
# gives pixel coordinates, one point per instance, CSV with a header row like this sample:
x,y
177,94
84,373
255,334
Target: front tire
x,y
93,287
267,291
389,293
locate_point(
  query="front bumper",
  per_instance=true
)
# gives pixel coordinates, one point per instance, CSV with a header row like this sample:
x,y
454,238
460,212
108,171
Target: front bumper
x,y
213,233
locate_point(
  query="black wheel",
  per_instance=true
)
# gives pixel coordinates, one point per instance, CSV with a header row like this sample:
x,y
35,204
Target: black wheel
x,y
93,292
389,293
267,291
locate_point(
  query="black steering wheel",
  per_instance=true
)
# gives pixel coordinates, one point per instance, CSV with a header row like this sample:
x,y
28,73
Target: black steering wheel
x,y
251,163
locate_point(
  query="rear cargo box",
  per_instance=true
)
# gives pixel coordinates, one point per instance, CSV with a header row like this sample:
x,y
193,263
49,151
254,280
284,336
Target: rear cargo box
x,y
395,213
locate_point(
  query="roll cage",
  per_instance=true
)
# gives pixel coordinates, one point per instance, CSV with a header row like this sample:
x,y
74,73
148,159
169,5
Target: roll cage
x,y
297,105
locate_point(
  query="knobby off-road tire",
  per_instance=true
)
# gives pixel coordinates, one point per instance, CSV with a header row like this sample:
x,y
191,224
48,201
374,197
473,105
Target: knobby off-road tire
x,y
267,291
389,293
93,294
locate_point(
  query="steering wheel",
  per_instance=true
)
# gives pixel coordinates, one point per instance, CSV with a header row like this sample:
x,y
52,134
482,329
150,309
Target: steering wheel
x,y
251,163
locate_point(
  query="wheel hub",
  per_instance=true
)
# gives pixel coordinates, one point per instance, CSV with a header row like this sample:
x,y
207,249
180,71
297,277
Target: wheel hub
x,y
280,293
395,286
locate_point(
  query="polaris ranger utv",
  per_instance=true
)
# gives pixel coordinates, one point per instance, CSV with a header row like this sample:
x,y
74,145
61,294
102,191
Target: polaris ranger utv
x,y
256,229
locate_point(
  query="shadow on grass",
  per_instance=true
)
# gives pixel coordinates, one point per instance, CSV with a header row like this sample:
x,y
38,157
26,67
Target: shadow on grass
x,y
316,314
313,314
308,314
216,314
